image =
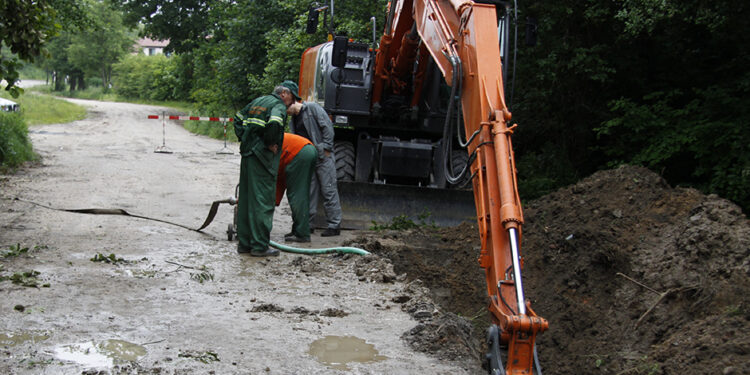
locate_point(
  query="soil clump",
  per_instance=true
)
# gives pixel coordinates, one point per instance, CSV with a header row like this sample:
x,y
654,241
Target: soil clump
x,y
634,276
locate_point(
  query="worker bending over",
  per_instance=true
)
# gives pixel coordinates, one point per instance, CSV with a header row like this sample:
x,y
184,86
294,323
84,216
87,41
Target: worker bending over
x,y
296,168
260,129
311,121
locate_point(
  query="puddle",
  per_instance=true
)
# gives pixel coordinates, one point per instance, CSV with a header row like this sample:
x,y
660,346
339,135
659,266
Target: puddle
x,y
104,354
14,339
337,351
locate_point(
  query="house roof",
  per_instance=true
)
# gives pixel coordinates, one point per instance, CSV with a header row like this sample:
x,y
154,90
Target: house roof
x,y
148,42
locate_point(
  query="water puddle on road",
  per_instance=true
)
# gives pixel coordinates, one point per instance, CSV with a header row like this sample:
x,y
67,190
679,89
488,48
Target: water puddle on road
x,y
337,351
15,339
104,354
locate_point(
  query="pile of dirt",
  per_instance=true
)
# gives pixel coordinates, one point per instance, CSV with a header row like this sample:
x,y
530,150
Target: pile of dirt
x,y
635,277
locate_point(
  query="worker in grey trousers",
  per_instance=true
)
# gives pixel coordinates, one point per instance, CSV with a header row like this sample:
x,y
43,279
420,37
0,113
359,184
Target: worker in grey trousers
x,y
311,121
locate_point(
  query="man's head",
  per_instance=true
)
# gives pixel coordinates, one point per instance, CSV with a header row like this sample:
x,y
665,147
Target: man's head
x,y
287,91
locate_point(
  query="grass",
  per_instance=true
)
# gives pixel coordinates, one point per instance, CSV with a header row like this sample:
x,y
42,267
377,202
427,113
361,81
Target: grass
x,y
41,109
15,146
211,129
97,93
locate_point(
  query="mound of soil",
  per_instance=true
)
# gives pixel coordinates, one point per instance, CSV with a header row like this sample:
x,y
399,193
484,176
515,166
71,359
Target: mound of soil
x,y
634,276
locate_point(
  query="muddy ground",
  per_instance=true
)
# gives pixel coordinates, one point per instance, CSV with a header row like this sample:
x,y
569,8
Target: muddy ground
x,y
635,276
97,294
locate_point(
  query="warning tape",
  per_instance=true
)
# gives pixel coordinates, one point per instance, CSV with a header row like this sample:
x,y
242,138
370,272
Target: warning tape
x,y
165,150
193,118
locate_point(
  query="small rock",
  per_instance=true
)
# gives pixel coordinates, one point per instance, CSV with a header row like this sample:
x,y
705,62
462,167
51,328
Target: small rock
x,y
400,299
423,314
729,370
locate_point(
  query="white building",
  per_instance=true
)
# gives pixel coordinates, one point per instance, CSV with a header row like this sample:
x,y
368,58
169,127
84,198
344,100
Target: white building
x,y
150,47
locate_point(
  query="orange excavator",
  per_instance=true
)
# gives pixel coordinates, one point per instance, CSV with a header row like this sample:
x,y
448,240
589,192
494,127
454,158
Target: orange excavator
x,y
395,122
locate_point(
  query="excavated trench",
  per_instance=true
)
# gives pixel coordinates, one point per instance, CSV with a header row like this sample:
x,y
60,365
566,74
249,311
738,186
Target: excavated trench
x,y
634,276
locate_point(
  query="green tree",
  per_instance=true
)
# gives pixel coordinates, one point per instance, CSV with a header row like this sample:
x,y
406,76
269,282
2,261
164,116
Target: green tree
x,y
186,23
56,60
95,49
658,83
25,26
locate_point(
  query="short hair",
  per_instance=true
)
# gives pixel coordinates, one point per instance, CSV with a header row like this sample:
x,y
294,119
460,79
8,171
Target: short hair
x,y
280,89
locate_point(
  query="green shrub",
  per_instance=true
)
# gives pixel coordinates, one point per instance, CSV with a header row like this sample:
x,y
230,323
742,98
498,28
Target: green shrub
x,y
15,147
148,77
212,129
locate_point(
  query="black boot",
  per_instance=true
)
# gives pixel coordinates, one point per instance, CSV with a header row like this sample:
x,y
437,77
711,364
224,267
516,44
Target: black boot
x,y
270,252
330,232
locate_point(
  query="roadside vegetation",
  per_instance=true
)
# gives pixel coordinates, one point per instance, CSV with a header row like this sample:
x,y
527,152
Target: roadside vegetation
x,y
661,84
15,146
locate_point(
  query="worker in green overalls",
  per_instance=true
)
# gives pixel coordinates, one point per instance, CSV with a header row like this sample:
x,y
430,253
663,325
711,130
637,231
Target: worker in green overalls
x,y
260,128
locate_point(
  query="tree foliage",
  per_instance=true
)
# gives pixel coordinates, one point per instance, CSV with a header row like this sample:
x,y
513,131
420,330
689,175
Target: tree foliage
x,y
659,83
25,27
96,48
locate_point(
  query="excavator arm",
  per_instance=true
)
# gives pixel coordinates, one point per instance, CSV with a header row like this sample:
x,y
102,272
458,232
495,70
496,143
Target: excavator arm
x,y
461,38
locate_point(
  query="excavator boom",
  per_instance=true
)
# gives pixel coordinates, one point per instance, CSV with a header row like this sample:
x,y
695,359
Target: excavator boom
x,y
396,126
461,37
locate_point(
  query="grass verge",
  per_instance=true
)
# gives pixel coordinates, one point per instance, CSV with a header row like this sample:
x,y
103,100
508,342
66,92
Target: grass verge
x,y
15,146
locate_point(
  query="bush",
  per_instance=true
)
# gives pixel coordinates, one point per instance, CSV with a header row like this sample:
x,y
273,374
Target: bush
x,y
147,77
15,147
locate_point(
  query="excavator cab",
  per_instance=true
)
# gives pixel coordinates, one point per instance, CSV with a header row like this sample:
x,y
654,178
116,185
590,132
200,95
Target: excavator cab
x,y
389,158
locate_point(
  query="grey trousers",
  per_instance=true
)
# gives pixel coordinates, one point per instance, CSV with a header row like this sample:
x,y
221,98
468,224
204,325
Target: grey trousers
x,y
324,183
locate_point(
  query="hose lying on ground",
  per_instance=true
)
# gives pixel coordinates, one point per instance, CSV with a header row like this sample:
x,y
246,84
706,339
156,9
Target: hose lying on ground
x,y
341,249
209,219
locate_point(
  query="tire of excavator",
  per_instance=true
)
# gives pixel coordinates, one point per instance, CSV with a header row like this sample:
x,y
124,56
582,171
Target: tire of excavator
x,y
343,152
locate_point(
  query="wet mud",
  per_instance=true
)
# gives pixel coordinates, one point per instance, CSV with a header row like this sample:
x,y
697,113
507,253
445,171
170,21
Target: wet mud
x,y
105,294
634,276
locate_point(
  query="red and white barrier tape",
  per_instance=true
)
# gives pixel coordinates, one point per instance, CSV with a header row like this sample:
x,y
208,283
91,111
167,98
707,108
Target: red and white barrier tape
x,y
193,118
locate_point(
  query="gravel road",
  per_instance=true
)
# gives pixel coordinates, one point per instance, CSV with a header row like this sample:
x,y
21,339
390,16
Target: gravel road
x,y
170,300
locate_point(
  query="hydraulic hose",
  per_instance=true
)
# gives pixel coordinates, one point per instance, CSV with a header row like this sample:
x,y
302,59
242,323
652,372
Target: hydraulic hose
x,y
327,250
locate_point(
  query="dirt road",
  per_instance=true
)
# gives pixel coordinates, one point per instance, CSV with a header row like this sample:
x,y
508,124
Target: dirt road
x,y
171,300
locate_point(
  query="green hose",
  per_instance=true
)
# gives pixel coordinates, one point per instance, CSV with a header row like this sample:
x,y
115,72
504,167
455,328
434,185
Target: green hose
x,y
327,250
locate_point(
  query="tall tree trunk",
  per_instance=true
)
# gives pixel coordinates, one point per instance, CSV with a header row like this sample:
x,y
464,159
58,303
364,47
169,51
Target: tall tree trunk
x,y
105,80
82,82
59,81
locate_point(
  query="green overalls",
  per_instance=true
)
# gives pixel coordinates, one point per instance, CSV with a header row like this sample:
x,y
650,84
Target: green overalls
x,y
259,125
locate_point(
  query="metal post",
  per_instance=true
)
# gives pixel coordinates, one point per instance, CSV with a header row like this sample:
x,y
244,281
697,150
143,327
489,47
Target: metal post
x,y
225,150
163,149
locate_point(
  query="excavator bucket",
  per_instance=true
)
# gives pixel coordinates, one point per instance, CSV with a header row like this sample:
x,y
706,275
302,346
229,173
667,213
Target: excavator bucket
x,y
365,204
